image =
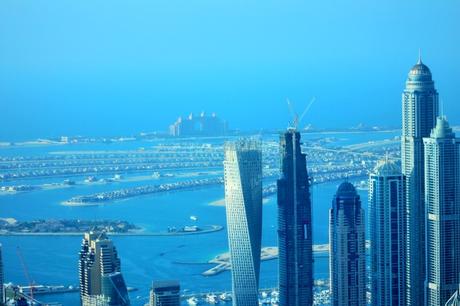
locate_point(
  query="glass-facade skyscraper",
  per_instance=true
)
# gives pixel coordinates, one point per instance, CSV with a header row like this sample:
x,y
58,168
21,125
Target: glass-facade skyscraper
x,y
2,289
419,112
385,225
101,281
243,201
442,200
347,258
294,225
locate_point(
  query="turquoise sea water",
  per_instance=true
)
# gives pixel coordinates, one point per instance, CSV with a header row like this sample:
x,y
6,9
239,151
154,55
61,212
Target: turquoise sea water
x,y
53,260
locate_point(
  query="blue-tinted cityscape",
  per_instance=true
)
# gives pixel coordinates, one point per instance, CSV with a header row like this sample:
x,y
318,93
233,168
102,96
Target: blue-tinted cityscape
x,y
229,153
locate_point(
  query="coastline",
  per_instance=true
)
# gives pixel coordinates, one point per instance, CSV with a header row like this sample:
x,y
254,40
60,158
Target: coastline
x,y
222,261
207,230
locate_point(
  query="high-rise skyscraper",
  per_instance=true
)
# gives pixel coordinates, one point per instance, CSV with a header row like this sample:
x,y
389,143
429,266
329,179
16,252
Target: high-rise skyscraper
x,y
385,223
419,111
2,289
347,258
101,281
243,201
442,200
165,293
294,225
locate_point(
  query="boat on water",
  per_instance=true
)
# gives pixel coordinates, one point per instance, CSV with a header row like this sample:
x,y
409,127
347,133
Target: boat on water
x,y
193,301
193,218
211,298
225,297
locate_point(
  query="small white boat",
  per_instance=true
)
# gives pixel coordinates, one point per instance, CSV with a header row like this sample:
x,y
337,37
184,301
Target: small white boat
x,y
225,297
211,298
193,218
193,301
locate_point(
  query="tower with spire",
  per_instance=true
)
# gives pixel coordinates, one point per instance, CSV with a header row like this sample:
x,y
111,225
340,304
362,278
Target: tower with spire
x,y
419,112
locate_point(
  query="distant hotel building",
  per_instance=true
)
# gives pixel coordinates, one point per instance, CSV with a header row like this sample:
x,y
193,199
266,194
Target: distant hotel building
x,y
294,225
385,223
101,281
419,111
201,125
347,258
165,293
442,200
243,201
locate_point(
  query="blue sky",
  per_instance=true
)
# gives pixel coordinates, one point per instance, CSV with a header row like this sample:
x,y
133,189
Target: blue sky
x,y
121,67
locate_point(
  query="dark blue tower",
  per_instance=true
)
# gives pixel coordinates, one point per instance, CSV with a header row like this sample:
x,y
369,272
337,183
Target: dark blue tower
x,y
347,257
294,225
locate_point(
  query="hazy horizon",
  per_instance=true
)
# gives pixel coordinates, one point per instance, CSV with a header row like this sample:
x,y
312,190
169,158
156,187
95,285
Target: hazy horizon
x,y
119,68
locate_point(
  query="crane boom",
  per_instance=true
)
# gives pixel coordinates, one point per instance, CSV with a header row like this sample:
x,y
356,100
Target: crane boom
x,y
26,272
295,117
307,109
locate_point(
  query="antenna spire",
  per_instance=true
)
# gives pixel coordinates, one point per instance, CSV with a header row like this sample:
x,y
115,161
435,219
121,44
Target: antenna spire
x,y
419,56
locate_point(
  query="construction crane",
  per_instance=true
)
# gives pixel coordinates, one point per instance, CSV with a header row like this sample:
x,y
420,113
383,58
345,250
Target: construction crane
x,y
296,119
26,273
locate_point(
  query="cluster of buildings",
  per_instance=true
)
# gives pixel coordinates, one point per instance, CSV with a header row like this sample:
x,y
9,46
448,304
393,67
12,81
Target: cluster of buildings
x,y
101,280
202,125
414,217
414,221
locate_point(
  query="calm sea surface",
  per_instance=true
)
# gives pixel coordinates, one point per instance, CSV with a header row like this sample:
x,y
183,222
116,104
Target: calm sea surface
x,y
53,260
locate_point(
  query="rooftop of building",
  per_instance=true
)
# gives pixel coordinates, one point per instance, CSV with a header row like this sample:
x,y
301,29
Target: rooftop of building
x,y
419,72
165,285
386,167
346,189
442,129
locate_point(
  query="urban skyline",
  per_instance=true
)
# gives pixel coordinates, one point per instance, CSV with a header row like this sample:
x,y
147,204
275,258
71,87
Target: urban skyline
x,y
165,153
103,284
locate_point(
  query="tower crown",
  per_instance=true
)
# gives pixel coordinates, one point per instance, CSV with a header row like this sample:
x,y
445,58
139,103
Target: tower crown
x,y
386,167
442,129
419,72
346,189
